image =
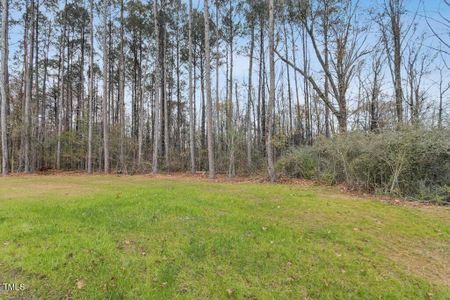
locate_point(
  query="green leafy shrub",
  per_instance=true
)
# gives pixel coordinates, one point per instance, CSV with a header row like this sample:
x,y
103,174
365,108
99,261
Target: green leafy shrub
x,y
299,162
411,163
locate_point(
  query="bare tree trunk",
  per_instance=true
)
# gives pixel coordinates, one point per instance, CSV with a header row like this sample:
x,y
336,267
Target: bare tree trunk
x,y
212,172
260,112
178,71
442,91
166,102
270,167
308,135
249,97
227,91
157,129
91,85
377,65
4,86
80,100
28,93
35,129
60,97
203,108
122,92
231,129
299,120
191,100
325,26
42,133
218,121
105,89
139,102
393,10
396,31
262,84
291,125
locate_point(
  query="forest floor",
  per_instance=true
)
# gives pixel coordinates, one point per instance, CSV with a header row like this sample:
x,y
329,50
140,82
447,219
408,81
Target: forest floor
x,y
165,237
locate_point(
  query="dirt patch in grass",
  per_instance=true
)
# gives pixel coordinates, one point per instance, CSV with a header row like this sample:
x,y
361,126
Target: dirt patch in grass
x,y
32,190
428,259
21,280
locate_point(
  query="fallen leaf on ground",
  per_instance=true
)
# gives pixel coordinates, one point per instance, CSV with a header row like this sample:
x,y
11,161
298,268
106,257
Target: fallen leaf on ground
x,y
80,284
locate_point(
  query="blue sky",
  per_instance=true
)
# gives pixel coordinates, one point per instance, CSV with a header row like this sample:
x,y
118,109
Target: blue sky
x,y
430,8
433,9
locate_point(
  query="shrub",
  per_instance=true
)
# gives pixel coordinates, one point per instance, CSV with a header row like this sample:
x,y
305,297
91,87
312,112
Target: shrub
x,y
298,162
412,163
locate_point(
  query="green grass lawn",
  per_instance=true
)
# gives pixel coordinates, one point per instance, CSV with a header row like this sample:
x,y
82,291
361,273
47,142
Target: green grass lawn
x,y
136,237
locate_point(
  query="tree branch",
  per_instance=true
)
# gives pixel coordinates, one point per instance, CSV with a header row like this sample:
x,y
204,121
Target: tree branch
x,y
313,83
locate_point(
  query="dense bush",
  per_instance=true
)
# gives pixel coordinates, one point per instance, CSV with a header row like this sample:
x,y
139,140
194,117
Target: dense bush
x,y
299,162
412,163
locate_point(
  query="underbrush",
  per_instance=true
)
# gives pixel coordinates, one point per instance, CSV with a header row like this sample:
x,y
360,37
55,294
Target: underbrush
x,y
411,163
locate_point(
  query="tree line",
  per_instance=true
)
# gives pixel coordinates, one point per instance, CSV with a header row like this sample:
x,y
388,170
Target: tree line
x,y
137,85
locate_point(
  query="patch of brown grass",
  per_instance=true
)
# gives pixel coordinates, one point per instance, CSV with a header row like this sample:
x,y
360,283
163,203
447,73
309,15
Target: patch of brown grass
x,y
428,259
